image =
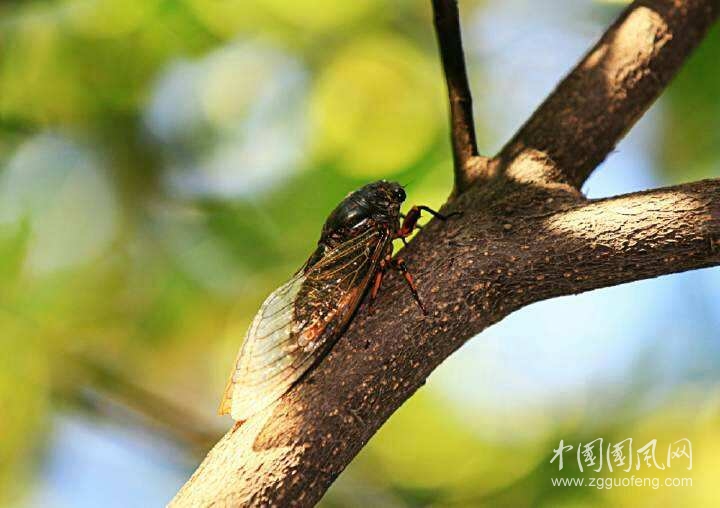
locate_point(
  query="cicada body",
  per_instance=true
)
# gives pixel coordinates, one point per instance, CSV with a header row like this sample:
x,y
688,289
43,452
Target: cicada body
x,y
300,321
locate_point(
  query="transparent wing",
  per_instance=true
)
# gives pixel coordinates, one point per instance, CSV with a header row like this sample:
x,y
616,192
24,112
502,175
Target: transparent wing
x,y
269,348
298,323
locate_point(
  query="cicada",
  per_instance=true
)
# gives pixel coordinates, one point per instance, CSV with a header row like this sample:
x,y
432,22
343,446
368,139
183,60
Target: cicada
x,y
301,320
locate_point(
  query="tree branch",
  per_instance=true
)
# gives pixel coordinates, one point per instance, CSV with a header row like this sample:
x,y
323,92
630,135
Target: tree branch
x,y
462,128
627,238
580,123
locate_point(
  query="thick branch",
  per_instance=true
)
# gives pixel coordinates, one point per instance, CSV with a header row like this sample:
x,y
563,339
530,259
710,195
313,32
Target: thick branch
x,y
462,128
580,123
512,246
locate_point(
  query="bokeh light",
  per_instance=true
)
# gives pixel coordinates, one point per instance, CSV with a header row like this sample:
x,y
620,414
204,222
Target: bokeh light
x,y
53,183
320,14
36,82
109,18
376,106
232,122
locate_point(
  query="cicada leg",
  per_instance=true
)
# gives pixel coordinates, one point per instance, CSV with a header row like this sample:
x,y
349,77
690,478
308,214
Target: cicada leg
x,y
378,278
409,224
410,220
400,266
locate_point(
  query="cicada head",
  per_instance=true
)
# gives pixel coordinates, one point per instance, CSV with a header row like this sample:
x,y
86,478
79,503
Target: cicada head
x,y
377,203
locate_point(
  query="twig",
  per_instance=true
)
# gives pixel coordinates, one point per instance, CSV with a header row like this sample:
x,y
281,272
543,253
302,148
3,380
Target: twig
x,y
462,129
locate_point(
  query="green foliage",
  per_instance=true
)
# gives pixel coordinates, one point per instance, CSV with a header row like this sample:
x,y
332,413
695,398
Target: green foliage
x,y
691,132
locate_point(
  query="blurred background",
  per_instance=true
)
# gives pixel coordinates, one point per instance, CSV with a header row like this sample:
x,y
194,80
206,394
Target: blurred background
x,y
165,164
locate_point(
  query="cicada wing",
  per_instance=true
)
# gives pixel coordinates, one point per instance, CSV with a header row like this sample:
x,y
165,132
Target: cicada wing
x,y
334,286
298,323
269,348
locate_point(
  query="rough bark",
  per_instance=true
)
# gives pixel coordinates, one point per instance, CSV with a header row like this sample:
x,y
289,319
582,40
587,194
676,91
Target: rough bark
x,y
526,234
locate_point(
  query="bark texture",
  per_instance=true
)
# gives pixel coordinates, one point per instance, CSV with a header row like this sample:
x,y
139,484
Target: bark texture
x,y
526,234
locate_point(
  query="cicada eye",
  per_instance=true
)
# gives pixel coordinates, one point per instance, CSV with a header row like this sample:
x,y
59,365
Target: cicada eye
x,y
399,194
